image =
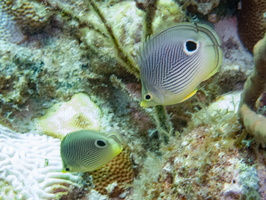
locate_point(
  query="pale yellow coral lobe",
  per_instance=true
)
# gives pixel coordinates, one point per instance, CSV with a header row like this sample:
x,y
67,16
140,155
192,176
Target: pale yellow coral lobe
x,y
77,114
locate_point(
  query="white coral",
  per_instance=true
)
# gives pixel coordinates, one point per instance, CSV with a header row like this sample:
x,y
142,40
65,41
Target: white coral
x,y
30,163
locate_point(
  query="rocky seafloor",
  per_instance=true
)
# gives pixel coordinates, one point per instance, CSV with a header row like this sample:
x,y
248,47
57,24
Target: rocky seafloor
x,y
67,65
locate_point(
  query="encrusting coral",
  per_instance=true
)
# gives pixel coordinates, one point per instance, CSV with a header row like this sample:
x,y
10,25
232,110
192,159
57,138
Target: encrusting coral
x,y
254,122
27,14
78,113
18,18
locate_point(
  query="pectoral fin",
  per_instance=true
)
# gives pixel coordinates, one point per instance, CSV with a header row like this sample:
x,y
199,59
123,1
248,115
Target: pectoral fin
x,y
190,95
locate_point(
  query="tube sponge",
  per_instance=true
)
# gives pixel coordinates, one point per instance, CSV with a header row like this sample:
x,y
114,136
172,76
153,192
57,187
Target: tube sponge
x,y
254,87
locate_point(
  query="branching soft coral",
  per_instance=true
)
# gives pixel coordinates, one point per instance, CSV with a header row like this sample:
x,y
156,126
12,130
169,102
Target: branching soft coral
x,y
254,87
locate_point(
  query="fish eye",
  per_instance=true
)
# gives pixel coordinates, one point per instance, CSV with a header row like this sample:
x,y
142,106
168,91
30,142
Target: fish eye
x,y
100,143
147,97
67,169
190,46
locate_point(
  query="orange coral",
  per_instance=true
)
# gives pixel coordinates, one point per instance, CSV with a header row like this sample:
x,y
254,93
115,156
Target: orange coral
x,y
115,176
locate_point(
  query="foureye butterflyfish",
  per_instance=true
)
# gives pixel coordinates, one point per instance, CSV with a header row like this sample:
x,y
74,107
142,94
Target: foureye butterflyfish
x,y
174,62
88,150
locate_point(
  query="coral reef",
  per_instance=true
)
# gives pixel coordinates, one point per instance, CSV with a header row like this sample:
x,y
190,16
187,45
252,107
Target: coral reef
x,y
252,22
123,16
30,167
78,114
254,87
35,77
205,162
91,47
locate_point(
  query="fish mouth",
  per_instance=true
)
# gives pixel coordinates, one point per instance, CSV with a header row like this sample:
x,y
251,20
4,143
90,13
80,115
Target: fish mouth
x,y
144,104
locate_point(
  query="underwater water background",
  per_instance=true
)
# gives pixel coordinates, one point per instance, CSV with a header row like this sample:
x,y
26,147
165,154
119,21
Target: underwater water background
x,y
71,65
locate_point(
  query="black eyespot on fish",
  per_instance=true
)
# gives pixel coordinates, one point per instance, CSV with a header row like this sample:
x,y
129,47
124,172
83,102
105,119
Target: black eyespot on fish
x,y
191,46
100,143
67,169
148,97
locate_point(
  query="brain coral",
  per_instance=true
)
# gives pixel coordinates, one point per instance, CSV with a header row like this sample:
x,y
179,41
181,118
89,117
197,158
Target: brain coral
x,y
30,167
